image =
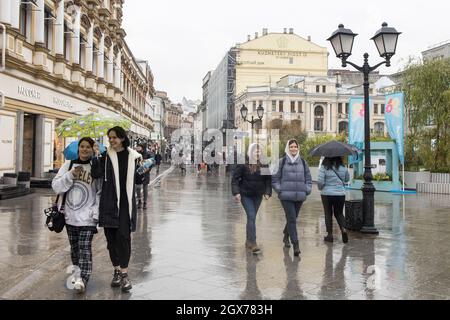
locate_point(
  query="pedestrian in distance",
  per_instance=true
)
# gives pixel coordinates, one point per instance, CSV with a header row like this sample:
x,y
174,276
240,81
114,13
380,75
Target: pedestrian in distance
x,y
81,209
292,182
143,180
249,186
158,159
331,181
117,209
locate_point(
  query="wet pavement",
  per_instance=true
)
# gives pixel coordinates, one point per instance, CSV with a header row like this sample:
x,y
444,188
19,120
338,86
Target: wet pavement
x,y
189,244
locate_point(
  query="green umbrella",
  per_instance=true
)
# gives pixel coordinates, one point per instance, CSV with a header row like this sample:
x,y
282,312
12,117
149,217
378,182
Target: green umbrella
x,y
92,125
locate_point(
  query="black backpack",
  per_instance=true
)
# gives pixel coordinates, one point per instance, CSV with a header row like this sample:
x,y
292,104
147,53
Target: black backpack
x,y
283,162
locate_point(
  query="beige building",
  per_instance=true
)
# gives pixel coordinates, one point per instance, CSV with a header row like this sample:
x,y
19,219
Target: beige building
x,y
265,59
315,104
63,58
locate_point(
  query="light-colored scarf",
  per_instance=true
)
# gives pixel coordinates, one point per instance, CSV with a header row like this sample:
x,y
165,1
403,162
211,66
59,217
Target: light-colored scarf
x,y
288,153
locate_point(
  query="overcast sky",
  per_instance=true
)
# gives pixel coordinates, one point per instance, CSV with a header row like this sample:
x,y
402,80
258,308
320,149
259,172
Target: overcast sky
x,y
183,40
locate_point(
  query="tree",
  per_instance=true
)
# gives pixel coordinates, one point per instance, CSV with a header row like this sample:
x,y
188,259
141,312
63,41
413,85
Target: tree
x,y
427,95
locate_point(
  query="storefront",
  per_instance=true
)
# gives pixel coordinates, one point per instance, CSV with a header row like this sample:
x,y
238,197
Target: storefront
x,y
28,141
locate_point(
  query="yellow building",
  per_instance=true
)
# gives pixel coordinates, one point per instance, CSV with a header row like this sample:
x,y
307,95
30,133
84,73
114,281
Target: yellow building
x,y
265,59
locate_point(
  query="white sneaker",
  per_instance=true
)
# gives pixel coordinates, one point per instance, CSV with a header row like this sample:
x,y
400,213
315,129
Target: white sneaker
x,y
79,285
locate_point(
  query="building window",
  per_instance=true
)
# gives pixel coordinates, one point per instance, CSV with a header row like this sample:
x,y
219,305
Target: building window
x,y
375,108
346,108
48,29
340,108
324,89
280,104
82,52
292,106
291,60
25,21
300,106
382,109
318,118
317,89
274,105
67,36
254,106
343,127
260,104
379,128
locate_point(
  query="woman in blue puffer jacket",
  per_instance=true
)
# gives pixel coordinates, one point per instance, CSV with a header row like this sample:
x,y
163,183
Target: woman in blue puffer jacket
x,y
293,184
333,176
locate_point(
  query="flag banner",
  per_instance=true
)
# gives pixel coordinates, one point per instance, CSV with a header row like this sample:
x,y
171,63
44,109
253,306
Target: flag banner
x,y
356,126
393,116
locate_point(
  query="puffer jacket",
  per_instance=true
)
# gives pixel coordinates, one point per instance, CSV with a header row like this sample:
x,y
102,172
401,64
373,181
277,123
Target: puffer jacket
x,y
331,183
296,182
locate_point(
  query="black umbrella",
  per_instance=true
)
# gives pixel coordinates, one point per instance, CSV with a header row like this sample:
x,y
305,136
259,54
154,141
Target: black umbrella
x,y
335,149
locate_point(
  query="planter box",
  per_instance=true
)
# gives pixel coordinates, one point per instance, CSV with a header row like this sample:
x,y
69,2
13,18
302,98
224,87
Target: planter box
x,y
379,185
412,178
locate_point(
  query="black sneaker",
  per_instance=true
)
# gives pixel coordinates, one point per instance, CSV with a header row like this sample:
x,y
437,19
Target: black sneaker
x,y
125,283
344,237
328,238
116,278
144,206
287,244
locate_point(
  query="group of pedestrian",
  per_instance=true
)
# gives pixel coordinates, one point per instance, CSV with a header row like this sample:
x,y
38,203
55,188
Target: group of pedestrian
x,y
293,184
100,191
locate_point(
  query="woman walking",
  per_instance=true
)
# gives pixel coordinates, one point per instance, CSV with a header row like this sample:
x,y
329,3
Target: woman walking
x,y
293,184
333,176
248,187
144,180
81,194
117,211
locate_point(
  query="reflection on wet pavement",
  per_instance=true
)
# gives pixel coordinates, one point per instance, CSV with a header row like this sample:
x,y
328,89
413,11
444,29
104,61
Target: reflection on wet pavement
x,y
189,244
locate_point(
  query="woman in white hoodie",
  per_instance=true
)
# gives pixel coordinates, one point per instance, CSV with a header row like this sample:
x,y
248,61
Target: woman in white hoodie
x,y
81,209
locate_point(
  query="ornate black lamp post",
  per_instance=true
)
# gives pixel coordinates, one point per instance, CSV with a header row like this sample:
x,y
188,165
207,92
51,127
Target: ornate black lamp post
x,y
386,41
259,112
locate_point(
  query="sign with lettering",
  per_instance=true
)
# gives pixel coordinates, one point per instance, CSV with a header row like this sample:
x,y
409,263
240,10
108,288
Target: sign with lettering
x,y
27,92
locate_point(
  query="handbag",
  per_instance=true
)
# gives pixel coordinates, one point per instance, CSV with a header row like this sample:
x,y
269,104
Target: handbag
x,y
55,218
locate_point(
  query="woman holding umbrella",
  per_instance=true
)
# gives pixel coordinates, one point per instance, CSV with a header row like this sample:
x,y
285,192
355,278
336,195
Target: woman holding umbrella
x,y
117,212
81,202
333,176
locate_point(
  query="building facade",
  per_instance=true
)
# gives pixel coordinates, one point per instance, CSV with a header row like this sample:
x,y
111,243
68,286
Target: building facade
x,y
314,104
173,115
158,102
437,52
261,61
63,59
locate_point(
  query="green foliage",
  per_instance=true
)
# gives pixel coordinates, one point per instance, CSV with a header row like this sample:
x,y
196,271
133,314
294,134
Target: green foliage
x,y
427,95
314,141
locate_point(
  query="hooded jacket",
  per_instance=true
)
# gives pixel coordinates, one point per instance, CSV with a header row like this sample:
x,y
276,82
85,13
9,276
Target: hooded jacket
x,y
82,194
106,167
295,183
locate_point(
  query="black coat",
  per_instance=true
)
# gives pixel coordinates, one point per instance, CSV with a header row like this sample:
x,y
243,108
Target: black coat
x,y
250,184
103,167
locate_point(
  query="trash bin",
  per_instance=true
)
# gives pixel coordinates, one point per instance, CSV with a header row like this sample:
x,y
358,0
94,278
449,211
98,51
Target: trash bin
x,y
354,214
24,179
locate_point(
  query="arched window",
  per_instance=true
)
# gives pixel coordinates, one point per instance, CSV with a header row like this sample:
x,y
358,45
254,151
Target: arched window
x,y
379,128
343,127
318,118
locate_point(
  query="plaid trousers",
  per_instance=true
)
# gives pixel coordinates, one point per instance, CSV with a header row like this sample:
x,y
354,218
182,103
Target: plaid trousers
x,y
80,239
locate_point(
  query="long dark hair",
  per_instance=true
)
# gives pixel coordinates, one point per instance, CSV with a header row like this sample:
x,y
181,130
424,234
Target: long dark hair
x,y
335,162
121,134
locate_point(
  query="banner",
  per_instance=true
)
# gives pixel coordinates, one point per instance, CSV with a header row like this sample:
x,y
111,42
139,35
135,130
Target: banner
x,y
393,116
356,126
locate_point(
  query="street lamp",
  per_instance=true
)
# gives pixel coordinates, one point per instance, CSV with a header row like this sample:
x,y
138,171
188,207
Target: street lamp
x,y
386,42
259,112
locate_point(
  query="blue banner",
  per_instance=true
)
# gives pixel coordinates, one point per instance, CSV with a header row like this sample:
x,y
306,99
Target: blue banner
x,y
393,116
356,126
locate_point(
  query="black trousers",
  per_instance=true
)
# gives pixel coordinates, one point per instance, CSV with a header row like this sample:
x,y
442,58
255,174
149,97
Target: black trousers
x,y
333,205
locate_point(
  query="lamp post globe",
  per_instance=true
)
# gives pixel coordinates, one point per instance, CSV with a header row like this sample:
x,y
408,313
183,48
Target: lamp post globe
x,y
244,112
386,42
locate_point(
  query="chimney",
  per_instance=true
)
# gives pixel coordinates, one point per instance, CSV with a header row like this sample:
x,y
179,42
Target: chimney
x,y
309,38
264,32
285,30
256,35
291,30
248,38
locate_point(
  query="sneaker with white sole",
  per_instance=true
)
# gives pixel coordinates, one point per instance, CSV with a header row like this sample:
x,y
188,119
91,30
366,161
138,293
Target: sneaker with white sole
x,y
79,285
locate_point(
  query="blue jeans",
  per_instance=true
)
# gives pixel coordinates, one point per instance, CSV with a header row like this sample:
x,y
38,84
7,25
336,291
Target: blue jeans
x,y
291,210
251,206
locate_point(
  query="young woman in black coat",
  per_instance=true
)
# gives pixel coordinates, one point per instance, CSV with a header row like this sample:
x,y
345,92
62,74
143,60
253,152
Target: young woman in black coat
x,y
117,210
248,187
